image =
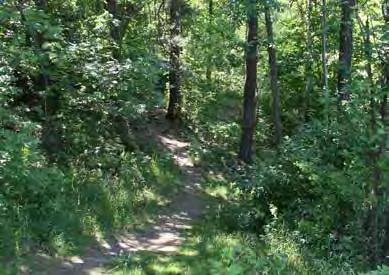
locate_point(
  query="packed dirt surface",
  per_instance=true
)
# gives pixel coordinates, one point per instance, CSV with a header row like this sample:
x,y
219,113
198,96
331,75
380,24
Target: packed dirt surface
x,y
165,235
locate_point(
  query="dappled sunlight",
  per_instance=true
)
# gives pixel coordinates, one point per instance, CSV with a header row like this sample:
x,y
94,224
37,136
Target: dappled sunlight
x,y
172,143
196,137
165,232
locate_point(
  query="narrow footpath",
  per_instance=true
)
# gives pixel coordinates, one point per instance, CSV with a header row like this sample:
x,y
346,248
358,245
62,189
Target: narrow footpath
x,y
165,235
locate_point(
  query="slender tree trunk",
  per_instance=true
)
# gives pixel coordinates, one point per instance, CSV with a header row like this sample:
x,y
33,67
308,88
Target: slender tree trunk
x,y
309,59
384,117
374,228
324,28
376,219
210,14
173,111
345,49
273,74
249,102
385,68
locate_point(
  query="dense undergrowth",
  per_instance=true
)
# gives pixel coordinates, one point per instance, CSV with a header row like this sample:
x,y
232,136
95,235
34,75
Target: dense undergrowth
x,y
305,201
293,211
58,209
219,244
70,169
76,160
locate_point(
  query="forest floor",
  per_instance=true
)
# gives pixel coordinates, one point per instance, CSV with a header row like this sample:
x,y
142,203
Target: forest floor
x,y
164,235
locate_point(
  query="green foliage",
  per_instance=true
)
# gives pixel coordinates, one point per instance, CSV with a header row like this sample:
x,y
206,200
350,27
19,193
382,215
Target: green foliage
x,y
316,184
214,247
78,86
57,207
67,114
319,181
382,270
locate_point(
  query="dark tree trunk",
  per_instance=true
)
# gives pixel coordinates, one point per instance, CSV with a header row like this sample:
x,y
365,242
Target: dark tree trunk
x,y
324,57
345,49
309,60
173,111
384,118
385,68
273,74
210,14
210,8
249,102
376,221
374,244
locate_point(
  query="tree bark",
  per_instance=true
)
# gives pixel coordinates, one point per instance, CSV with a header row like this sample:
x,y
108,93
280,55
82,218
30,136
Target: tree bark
x,y
385,67
173,111
345,49
384,115
273,74
309,59
210,15
324,57
376,221
249,102
374,228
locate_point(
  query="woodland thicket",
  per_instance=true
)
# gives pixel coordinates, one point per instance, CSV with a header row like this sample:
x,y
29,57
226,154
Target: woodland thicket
x,y
288,100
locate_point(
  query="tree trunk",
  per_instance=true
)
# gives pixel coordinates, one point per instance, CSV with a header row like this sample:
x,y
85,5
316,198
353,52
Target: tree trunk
x,y
385,68
324,57
273,74
384,118
249,103
210,9
173,111
210,14
309,60
374,228
345,49
376,221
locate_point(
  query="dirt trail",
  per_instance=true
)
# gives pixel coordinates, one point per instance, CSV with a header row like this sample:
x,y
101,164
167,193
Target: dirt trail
x,y
165,235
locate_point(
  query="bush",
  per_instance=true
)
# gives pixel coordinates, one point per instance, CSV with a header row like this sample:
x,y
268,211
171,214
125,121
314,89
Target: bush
x,y
317,185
